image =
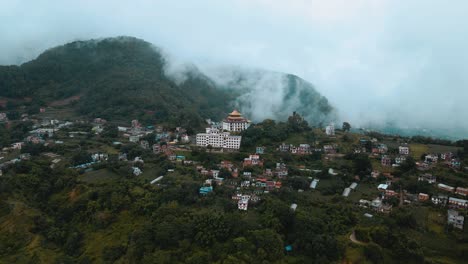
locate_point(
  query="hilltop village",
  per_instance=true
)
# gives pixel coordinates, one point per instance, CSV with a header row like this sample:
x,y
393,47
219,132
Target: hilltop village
x,y
247,164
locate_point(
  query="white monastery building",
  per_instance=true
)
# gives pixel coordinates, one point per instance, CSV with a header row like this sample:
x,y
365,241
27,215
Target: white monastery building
x,y
235,122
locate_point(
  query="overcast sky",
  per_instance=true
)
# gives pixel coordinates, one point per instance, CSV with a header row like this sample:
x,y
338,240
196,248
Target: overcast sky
x,y
374,59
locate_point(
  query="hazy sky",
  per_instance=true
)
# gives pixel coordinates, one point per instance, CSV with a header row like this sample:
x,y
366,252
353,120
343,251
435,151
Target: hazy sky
x,y
374,59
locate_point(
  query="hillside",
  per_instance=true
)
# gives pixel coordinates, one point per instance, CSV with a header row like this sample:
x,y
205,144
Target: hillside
x,y
125,78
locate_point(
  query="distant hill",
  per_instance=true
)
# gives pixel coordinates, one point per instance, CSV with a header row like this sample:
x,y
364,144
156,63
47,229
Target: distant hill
x,y
125,77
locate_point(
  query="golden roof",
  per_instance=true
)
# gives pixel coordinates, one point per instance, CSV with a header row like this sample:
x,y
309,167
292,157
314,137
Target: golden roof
x,y
235,113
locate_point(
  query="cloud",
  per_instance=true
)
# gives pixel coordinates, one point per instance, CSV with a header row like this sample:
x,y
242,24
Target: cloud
x,y
376,61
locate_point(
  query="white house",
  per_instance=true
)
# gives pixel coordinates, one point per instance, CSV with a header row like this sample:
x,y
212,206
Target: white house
x,y
403,150
330,130
136,171
455,219
243,203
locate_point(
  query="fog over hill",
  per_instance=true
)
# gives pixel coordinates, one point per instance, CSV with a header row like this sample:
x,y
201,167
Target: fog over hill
x,y
387,64
126,77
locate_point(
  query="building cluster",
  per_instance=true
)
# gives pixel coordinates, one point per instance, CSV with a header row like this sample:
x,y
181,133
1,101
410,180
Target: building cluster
x,y
249,187
388,160
301,149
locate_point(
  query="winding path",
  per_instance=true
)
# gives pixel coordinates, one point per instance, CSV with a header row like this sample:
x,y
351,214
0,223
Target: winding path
x,y
353,239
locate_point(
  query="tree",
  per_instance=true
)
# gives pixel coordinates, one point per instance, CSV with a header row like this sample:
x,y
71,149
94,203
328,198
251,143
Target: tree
x,y
374,253
110,131
81,158
346,126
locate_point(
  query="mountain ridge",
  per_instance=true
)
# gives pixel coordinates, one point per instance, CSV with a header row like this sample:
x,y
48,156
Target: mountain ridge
x,y
126,76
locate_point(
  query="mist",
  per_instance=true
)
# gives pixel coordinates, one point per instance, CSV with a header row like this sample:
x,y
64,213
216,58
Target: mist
x,y
403,62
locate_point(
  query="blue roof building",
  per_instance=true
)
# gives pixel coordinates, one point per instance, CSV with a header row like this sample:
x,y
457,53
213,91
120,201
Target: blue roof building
x,y
205,190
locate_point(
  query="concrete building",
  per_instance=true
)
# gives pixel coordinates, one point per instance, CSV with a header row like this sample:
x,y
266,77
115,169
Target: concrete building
x,y
403,150
235,122
455,219
213,137
330,130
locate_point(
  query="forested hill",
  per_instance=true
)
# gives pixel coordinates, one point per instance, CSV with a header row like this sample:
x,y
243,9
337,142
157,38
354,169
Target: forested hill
x,y
124,77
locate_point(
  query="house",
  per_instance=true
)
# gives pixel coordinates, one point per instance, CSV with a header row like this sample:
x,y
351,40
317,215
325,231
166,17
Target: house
x,y
403,150
3,117
431,158
353,186
375,174
303,149
157,149
386,161
346,192
136,124
363,142
99,157
330,129
260,150
144,144
235,122
376,204
390,193
439,199
280,171
428,178
382,187
422,197
226,164
123,156
461,191
445,187
329,149
136,171
314,183
455,219
458,203
455,163
364,203
247,174
243,204
270,185
134,138
185,138
400,159
205,190
34,140
214,173
446,156
245,184
253,160
379,206
284,147
293,207
382,149
216,139
17,145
